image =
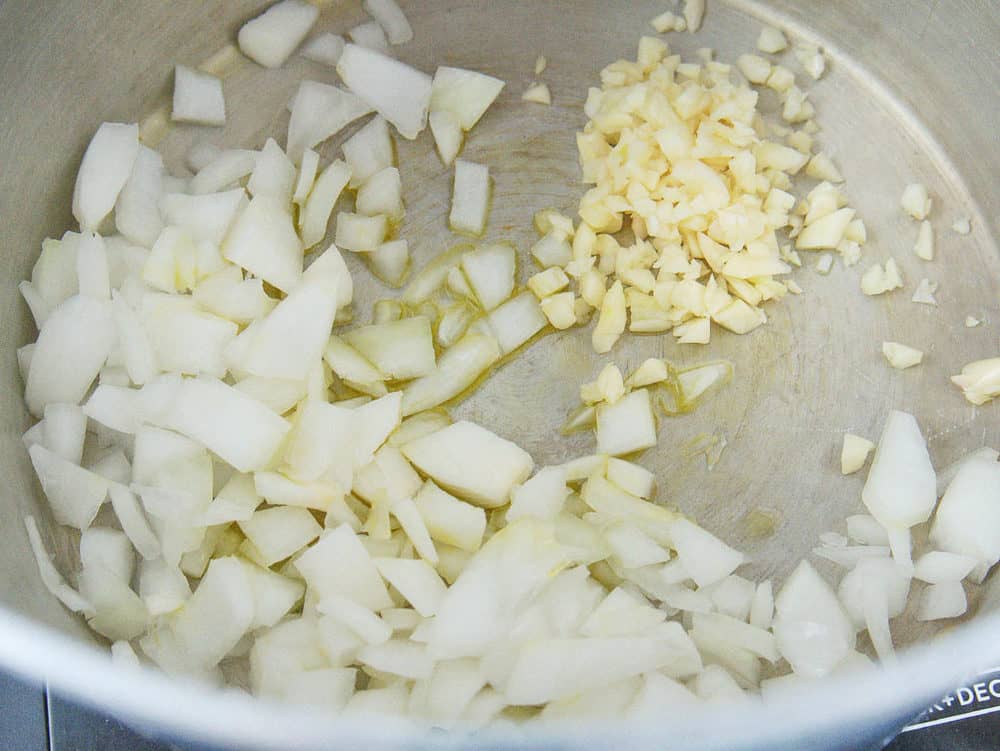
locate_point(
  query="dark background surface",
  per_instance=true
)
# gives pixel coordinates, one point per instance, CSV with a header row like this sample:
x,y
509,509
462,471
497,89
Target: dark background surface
x,y
32,719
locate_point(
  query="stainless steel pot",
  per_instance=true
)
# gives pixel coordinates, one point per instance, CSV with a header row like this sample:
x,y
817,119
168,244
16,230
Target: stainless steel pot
x,y
910,96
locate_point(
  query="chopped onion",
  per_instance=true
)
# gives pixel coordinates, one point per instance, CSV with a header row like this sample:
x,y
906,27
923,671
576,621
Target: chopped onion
x,y
197,98
271,38
401,94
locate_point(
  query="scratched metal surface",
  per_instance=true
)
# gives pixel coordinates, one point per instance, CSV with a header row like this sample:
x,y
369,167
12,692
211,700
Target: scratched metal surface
x,y
814,371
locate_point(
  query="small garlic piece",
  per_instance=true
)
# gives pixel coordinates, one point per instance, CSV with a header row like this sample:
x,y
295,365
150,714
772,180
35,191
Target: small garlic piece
x,y
694,13
924,294
771,40
962,225
548,282
916,202
901,356
668,22
811,59
854,453
781,79
560,310
924,247
822,168
540,64
879,279
755,68
980,380
971,322
538,93
611,321
824,264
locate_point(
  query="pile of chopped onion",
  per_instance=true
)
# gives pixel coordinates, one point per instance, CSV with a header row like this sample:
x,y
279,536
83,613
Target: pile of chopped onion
x,y
269,497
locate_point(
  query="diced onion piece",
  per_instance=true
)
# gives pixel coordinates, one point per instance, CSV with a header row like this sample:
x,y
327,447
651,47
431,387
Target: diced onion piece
x,y
350,364
470,200
217,614
401,94
197,98
490,272
937,566
946,475
854,453
448,135
382,194
133,521
546,670
289,342
706,558
278,532
542,496
338,564
398,349
318,207
137,213
263,241
271,38
916,202
359,619
306,177
449,520
369,151
419,584
864,529
75,494
227,168
626,426
326,48
943,600
472,462
810,627
320,111
391,18
251,434
968,518
553,249
466,94
516,321
630,477
457,369
106,166
901,356
50,576
370,35
375,422
431,277
901,489
358,233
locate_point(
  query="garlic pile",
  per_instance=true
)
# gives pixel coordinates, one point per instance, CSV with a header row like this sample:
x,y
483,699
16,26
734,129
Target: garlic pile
x,y
681,160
